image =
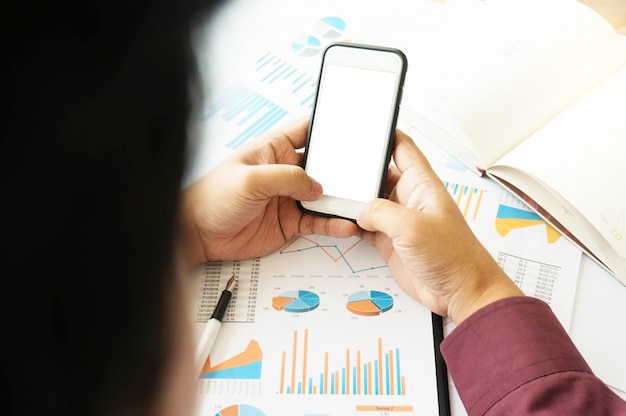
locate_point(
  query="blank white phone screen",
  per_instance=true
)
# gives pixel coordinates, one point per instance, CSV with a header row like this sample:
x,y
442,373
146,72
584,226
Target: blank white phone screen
x,y
350,131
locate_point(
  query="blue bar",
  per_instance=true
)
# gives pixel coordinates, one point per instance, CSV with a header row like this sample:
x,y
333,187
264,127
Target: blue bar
x,y
297,79
278,76
252,130
232,95
254,108
271,122
264,63
240,106
354,380
299,387
376,380
303,102
456,188
273,72
387,375
365,379
310,385
343,381
321,383
262,58
291,73
288,390
333,388
300,86
398,376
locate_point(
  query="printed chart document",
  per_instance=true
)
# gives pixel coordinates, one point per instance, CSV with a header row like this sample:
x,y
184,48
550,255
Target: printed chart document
x,y
317,328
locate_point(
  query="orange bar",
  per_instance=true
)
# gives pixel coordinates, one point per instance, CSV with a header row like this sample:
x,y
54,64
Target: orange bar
x,y
378,408
380,366
480,198
467,204
392,384
403,386
293,361
337,391
304,358
369,378
458,198
282,372
325,373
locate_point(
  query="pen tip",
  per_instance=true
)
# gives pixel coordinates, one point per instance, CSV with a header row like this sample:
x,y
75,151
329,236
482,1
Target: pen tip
x,y
230,283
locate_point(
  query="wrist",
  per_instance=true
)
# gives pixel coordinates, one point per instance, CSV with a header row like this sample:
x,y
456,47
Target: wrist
x,y
481,286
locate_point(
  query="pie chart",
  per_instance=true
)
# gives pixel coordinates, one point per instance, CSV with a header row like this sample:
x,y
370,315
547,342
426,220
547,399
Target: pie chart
x,y
296,301
331,27
240,410
306,46
369,303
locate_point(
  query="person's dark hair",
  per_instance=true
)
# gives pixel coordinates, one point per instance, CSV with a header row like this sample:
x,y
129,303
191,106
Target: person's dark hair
x,y
93,120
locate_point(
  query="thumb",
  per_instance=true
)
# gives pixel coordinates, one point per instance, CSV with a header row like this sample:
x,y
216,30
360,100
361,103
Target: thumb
x,y
284,180
385,216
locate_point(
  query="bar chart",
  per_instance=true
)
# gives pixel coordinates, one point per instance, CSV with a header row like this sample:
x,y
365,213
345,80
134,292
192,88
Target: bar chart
x,y
467,198
379,375
273,88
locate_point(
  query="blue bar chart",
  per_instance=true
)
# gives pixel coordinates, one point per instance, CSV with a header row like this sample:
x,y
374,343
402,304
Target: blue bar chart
x,y
255,104
467,198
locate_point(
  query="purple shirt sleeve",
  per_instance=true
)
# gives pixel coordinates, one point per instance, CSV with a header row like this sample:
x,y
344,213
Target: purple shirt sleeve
x,y
514,357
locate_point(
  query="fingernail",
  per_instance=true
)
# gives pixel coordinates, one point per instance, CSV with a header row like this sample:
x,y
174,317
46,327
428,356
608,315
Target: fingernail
x,y
316,188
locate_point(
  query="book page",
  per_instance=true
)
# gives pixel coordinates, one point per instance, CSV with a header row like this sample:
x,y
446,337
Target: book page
x,y
502,71
579,158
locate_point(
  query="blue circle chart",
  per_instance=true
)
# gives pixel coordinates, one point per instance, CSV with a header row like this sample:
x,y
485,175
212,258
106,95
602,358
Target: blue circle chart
x,y
369,303
306,46
331,27
296,301
240,410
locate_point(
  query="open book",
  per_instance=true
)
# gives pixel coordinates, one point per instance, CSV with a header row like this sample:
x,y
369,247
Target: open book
x,y
533,94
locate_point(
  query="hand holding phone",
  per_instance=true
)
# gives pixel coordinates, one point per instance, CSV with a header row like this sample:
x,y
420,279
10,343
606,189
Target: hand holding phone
x,y
352,128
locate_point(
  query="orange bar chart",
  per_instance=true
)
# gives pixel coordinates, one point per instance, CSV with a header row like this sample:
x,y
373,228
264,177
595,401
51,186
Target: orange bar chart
x,y
467,198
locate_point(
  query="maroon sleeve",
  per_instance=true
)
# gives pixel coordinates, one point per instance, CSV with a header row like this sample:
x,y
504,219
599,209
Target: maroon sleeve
x,y
514,357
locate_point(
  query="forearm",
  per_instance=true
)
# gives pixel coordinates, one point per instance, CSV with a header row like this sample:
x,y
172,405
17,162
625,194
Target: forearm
x,y
514,357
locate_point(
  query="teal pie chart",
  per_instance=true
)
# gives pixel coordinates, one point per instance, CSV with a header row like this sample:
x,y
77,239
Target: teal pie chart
x,y
296,301
306,46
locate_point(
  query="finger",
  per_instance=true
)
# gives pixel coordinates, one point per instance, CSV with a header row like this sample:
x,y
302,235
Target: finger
x,y
384,216
282,180
295,132
275,147
407,155
334,227
393,176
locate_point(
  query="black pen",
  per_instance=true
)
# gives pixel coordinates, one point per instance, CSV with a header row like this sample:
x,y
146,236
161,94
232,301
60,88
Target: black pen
x,y
213,325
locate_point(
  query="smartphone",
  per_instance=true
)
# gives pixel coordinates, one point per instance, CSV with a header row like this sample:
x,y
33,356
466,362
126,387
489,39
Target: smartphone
x,y
351,134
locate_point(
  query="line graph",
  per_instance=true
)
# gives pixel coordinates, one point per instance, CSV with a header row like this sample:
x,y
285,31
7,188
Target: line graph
x,y
346,251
